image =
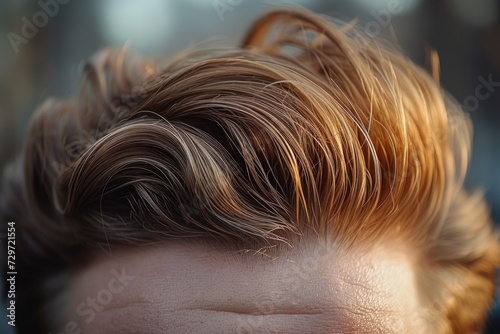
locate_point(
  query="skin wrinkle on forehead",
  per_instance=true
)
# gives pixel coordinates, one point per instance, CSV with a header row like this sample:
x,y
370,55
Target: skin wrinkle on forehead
x,y
178,286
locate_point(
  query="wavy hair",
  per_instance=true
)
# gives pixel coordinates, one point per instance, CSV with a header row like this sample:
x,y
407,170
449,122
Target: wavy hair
x,y
304,127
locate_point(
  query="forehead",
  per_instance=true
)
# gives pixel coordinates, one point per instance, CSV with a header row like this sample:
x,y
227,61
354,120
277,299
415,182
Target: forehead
x,y
191,288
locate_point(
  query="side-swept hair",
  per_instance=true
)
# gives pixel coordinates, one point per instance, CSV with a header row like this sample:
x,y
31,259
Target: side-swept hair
x,y
305,127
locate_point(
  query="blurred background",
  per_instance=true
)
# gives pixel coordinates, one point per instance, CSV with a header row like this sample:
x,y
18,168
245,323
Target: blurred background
x,y
44,43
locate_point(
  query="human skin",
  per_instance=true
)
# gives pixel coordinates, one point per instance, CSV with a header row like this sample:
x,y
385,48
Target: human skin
x,y
183,287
